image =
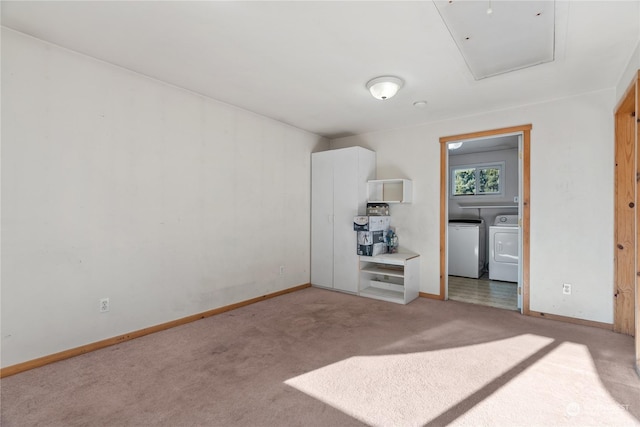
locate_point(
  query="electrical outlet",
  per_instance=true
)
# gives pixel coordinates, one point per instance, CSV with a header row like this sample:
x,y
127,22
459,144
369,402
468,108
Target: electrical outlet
x,y
281,270
566,289
104,305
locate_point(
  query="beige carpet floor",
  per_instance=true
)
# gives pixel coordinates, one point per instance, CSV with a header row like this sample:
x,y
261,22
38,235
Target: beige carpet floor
x,y
321,358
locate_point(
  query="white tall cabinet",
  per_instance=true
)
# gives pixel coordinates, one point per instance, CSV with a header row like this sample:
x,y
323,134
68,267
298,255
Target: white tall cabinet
x,y
338,193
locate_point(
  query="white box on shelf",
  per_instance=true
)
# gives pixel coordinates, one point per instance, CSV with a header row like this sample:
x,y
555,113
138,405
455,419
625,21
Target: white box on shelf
x,y
371,223
374,249
371,237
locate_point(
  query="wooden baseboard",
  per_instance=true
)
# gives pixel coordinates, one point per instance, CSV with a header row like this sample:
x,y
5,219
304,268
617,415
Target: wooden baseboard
x,y
56,357
431,296
601,325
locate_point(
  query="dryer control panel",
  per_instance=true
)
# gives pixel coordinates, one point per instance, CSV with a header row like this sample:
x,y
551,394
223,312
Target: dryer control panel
x,y
506,220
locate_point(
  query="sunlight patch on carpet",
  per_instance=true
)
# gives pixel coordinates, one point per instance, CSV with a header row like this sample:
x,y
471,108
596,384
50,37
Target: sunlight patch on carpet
x,y
563,388
416,388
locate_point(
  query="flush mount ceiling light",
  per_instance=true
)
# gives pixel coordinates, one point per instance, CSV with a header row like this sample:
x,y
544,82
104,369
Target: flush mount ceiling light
x,y
455,145
384,87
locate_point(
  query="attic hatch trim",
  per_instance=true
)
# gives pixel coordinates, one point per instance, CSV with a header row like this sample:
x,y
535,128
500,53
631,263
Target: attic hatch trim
x,y
516,35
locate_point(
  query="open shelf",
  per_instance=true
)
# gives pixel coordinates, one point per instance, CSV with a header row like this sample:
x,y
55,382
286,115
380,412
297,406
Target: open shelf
x,y
397,258
390,277
383,270
382,294
390,191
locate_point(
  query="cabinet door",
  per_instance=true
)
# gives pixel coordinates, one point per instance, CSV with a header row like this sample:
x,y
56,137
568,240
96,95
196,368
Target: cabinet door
x,y
322,219
346,187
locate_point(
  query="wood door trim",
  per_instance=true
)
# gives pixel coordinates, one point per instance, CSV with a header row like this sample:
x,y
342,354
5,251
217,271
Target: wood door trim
x,y
429,296
627,135
443,215
626,215
625,228
637,286
631,90
526,140
526,220
485,133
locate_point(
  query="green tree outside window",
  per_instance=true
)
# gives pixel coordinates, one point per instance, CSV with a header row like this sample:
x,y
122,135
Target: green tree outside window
x,y
476,180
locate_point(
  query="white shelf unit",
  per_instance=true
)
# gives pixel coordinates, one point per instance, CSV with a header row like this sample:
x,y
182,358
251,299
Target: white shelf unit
x,y
390,277
390,191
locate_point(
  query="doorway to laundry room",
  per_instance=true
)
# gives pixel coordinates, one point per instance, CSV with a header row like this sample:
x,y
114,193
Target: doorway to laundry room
x,y
485,218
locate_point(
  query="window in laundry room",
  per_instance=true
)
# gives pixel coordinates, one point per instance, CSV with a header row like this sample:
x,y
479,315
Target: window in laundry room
x,y
482,179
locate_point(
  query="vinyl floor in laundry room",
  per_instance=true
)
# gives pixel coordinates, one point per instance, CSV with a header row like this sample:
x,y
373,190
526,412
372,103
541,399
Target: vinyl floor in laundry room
x,y
483,291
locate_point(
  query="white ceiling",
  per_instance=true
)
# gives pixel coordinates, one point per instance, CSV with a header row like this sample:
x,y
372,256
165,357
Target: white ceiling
x,y
306,63
500,37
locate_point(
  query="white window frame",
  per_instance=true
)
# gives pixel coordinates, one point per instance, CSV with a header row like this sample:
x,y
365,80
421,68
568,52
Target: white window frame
x,y
477,166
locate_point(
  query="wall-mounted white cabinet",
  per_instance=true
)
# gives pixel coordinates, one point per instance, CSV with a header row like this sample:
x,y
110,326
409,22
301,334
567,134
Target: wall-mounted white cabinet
x,y
390,277
390,191
338,193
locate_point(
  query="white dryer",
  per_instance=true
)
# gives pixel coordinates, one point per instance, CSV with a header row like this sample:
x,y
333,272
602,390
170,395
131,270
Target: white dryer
x,y
504,248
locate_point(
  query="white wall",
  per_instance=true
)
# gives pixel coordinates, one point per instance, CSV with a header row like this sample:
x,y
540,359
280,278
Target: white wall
x,y
571,196
631,70
629,74
116,185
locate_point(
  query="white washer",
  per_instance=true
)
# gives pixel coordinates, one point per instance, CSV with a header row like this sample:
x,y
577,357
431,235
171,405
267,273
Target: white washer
x,y
466,247
504,248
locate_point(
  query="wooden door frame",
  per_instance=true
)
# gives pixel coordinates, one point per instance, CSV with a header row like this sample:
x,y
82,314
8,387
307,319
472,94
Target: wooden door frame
x,y
525,130
627,216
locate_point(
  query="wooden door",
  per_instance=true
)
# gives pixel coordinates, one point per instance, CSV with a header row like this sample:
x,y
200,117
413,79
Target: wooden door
x,y
627,158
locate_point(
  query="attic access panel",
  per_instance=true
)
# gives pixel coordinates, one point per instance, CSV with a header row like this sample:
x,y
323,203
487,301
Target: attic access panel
x,y
515,35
